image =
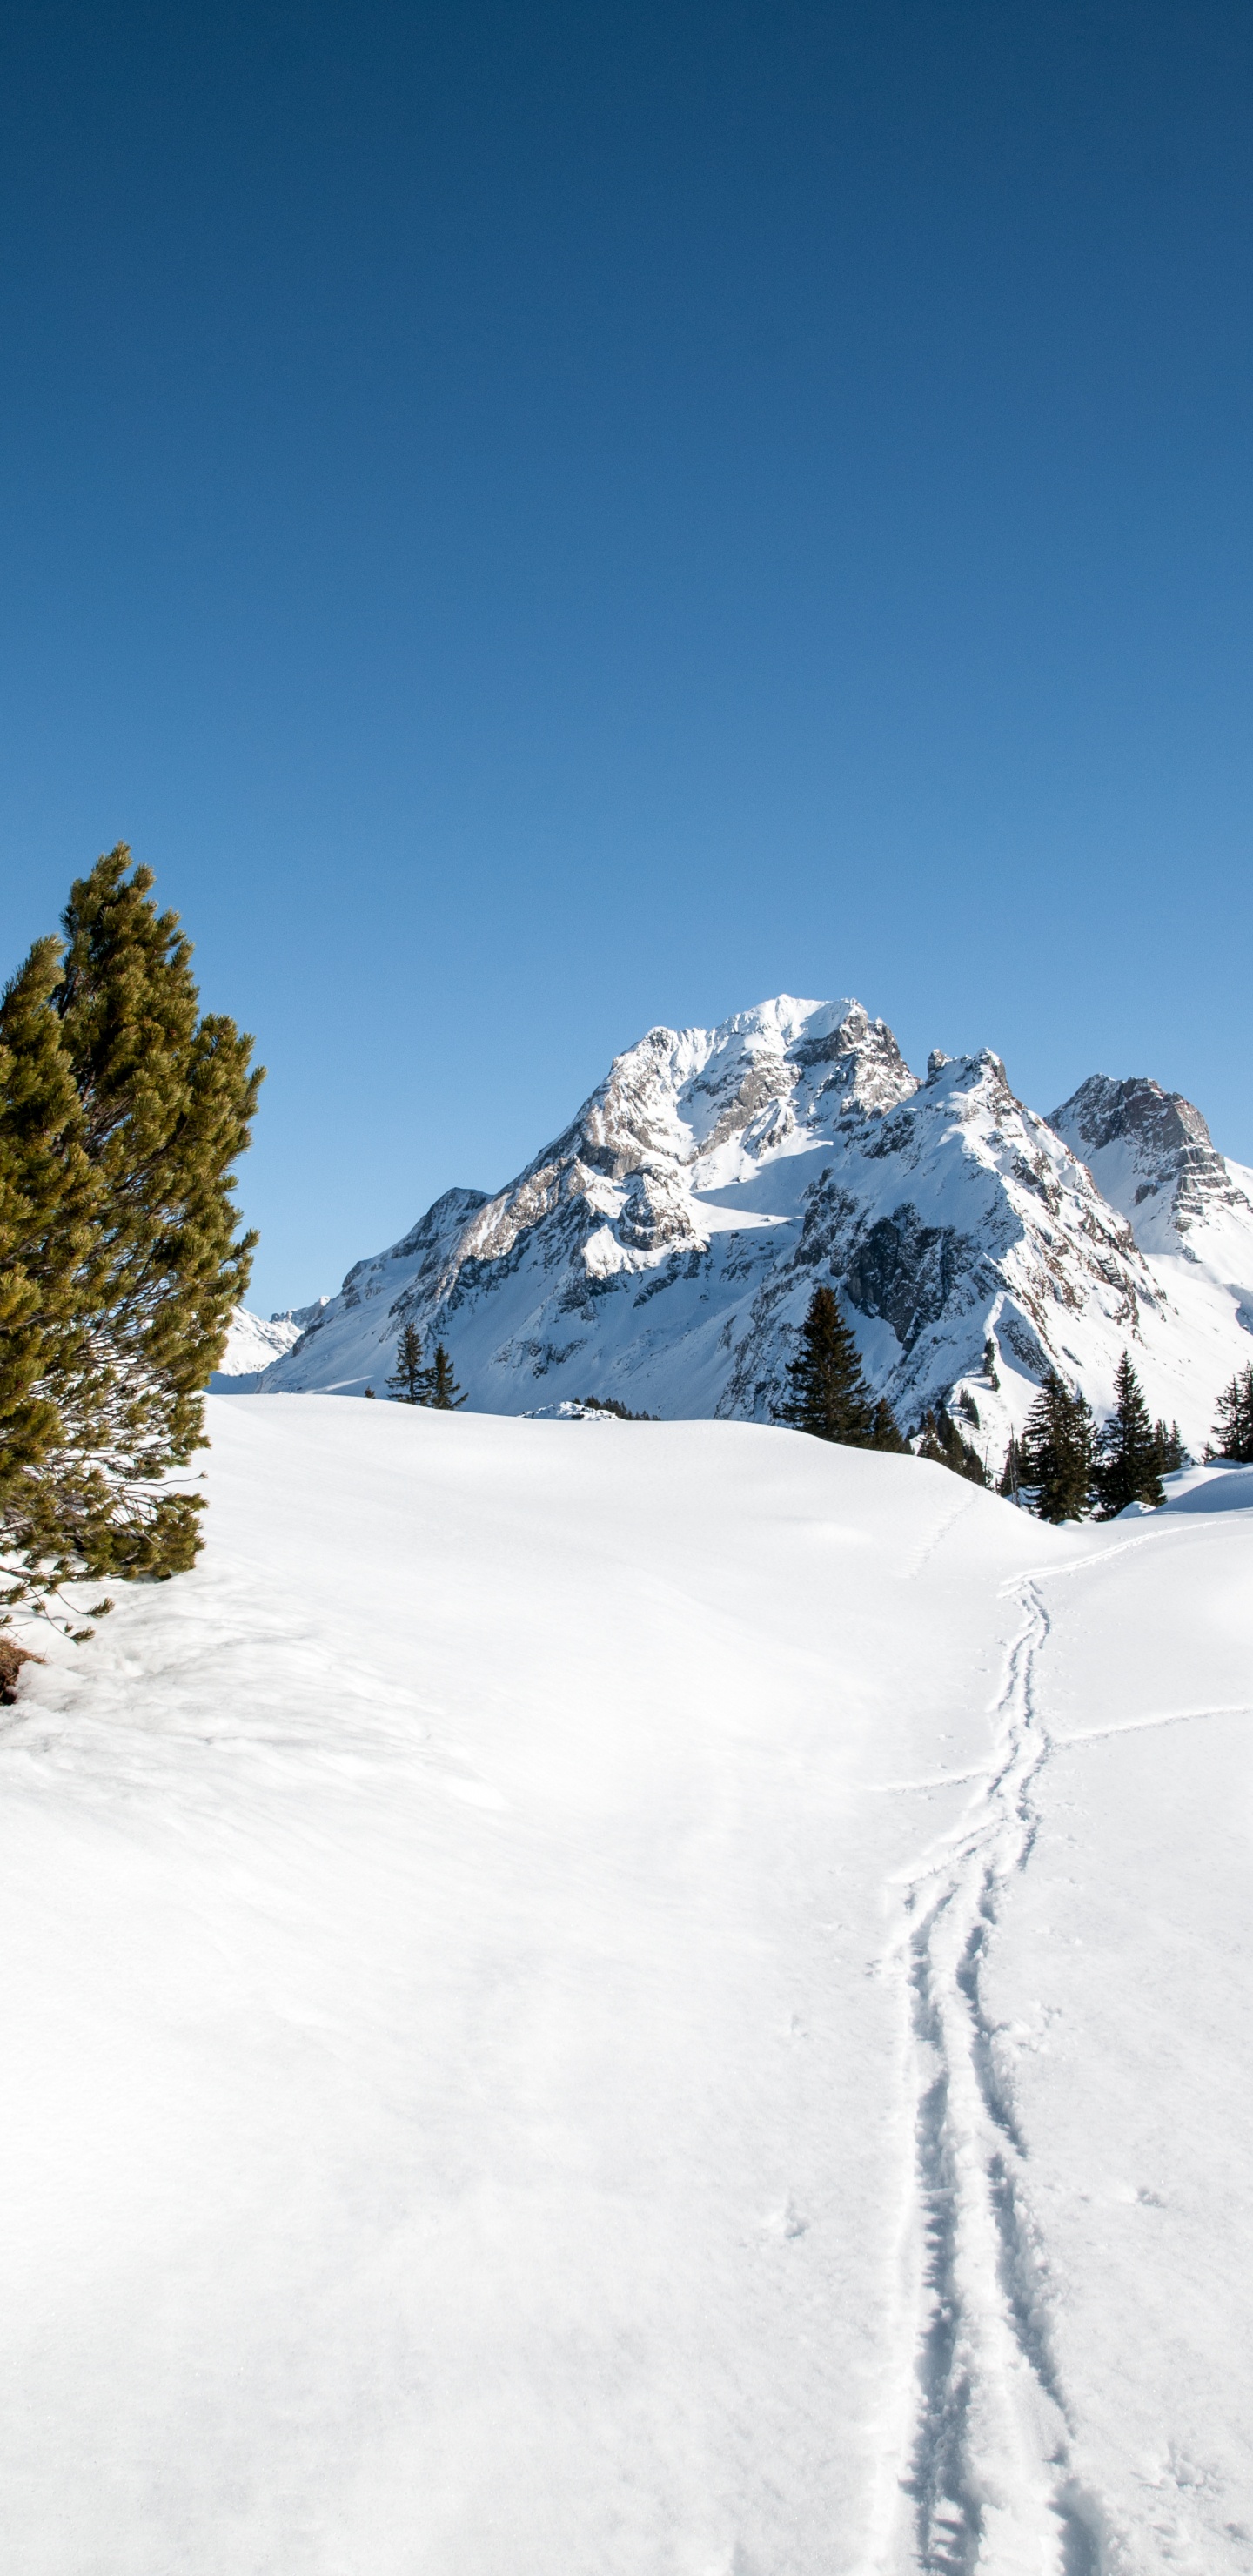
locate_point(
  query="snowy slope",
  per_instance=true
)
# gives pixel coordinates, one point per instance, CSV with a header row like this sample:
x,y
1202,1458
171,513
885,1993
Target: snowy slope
x,y
664,1248
660,2000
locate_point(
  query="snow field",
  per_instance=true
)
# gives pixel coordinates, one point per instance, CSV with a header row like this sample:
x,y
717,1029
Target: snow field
x,y
636,1998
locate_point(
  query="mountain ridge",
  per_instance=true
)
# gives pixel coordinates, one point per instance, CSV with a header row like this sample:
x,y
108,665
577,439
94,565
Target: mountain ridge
x,y
662,1248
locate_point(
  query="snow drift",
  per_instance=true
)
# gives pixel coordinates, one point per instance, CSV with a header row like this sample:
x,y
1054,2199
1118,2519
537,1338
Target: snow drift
x,y
664,2000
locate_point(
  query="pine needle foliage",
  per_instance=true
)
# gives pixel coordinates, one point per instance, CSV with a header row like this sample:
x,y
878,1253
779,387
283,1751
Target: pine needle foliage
x,y
409,1379
947,1446
829,1396
47,1205
1056,1452
121,1114
443,1393
1233,1429
412,1382
1128,1455
886,1432
1171,1453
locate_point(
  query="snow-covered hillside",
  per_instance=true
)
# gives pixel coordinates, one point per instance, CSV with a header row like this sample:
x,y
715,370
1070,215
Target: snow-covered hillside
x,y
664,1248
658,2000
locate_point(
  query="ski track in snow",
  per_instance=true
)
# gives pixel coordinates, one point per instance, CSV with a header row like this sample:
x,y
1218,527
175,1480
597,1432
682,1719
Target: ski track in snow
x,y
990,2481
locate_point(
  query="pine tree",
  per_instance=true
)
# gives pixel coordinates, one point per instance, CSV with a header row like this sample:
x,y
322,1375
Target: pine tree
x,y
944,1444
167,1100
1128,1468
1233,1430
410,1379
48,1198
886,1432
989,1362
1056,1452
830,1397
1171,1453
136,1258
444,1394
1011,1482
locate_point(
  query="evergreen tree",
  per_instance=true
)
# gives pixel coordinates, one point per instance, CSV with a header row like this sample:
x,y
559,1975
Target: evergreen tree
x,y
1128,1468
167,1100
136,1258
410,1379
47,1203
1233,1430
444,1394
1056,1452
942,1442
830,1397
1011,1482
1171,1454
886,1432
989,1362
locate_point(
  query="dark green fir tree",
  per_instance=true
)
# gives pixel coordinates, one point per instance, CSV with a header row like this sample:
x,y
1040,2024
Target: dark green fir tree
x,y
1233,1429
409,1380
829,1396
1128,1458
1171,1453
444,1395
946,1445
886,1432
1056,1452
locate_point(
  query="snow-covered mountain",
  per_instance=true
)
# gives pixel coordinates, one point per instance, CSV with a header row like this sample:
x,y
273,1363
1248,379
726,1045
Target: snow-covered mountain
x,y
252,1345
663,1249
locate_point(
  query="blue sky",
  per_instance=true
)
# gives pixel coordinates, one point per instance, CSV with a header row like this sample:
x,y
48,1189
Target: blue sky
x,y
539,520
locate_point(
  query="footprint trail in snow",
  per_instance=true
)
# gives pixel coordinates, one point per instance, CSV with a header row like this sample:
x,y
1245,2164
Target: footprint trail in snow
x,y
990,2481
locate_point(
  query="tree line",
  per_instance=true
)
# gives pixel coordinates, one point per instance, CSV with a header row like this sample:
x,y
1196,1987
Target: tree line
x,y
1063,1467
122,1111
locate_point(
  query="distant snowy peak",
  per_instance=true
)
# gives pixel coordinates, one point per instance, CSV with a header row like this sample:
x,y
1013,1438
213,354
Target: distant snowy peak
x,y
694,1110
252,1345
663,1249
1152,1156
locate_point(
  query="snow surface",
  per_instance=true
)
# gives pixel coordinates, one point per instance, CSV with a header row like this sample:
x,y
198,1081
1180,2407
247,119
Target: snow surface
x,y
670,2001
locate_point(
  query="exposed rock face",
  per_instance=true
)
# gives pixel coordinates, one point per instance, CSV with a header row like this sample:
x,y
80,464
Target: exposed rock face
x,y
663,1249
1151,1154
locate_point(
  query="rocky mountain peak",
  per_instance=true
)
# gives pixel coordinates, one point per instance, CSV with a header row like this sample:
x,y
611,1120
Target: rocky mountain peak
x,y
1151,1154
663,1249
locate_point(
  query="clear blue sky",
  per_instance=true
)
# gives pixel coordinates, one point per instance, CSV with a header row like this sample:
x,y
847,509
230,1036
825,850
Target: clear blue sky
x,y
538,520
